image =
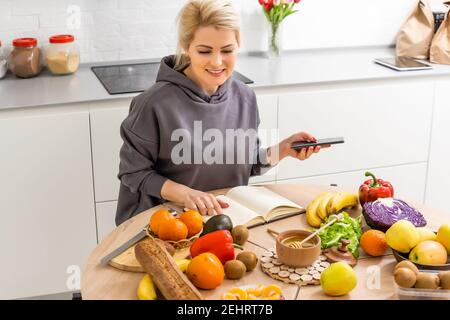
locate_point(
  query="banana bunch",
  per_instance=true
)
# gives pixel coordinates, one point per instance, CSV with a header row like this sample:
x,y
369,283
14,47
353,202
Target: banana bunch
x,y
146,289
329,203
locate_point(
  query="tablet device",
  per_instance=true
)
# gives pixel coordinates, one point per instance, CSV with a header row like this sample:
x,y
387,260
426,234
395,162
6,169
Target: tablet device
x,y
305,144
403,64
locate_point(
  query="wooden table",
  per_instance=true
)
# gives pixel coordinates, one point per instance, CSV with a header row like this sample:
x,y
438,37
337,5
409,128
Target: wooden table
x,y
374,274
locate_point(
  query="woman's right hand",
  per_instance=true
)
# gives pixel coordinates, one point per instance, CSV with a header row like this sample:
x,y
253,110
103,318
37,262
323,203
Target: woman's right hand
x,y
203,202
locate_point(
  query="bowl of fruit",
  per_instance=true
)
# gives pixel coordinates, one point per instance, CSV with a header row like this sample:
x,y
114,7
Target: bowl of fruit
x,y
427,249
178,229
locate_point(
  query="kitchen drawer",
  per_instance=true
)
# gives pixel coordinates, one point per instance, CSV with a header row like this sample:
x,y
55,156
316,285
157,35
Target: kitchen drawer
x,y
383,125
408,180
47,200
106,144
106,215
438,182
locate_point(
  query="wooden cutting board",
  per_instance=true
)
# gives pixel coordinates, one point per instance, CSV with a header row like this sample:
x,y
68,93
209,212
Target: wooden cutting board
x,y
127,261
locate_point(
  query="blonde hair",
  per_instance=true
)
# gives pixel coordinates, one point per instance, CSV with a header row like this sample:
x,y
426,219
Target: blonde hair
x,y
197,13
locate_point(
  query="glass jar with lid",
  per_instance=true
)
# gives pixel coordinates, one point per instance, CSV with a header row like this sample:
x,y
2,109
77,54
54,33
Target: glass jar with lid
x,y
63,54
25,58
3,62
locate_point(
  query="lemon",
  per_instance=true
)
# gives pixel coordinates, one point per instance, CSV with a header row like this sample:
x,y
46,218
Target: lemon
x,y
338,279
146,289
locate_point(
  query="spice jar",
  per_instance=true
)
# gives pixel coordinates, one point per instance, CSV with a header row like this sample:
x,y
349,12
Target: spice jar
x,y
3,62
63,55
24,60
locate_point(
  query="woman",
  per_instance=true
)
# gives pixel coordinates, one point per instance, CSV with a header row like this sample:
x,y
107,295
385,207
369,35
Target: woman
x,y
164,156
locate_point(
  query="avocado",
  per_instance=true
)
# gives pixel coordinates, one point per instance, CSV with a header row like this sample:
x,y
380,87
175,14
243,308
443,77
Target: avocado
x,y
218,222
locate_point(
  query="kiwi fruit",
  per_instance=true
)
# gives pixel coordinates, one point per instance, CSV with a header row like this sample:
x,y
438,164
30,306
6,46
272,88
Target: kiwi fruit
x,y
249,259
405,277
409,265
444,277
234,269
427,281
240,234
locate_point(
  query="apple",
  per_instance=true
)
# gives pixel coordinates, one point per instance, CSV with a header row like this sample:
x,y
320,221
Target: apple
x,y
443,236
426,234
402,236
429,252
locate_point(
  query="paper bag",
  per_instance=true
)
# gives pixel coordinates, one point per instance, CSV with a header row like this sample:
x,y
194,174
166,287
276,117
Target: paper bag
x,y
440,46
414,38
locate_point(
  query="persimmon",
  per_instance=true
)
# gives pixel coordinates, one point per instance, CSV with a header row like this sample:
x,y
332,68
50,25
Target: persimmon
x,y
206,271
193,221
172,230
158,217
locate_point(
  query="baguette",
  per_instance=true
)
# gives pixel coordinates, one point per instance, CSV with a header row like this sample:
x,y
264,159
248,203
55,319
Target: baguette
x,y
164,271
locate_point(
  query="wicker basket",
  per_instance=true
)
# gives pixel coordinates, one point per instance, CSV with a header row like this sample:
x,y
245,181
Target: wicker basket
x,y
177,244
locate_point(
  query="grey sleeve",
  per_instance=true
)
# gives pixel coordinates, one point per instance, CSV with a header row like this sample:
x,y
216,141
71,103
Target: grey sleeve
x,y
137,159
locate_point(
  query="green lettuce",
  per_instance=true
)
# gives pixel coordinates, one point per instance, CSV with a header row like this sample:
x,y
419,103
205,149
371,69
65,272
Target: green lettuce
x,y
347,228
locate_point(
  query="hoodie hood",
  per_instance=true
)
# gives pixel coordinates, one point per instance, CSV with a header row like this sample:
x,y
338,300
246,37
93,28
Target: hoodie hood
x,y
167,73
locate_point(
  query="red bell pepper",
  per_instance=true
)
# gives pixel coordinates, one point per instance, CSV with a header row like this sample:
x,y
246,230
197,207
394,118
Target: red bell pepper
x,y
219,243
374,188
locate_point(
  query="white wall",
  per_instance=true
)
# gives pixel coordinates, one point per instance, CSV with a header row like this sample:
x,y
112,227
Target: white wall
x,y
132,29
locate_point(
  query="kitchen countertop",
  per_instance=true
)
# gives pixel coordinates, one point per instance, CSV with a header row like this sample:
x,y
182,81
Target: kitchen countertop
x,y
294,68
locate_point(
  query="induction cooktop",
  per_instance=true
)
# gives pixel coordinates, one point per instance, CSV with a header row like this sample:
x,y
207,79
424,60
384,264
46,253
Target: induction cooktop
x,y
129,78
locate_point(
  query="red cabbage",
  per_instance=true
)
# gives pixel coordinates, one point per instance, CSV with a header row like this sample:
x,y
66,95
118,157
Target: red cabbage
x,y
381,214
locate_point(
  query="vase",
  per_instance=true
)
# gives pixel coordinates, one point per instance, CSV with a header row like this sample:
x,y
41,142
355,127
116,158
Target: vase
x,y
274,40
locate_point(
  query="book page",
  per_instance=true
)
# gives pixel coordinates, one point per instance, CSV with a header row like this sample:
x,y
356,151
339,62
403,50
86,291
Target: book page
x,y
237,212
260,200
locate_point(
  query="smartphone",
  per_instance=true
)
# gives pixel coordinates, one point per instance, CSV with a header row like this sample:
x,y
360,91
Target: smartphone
x,y
403,64
305,144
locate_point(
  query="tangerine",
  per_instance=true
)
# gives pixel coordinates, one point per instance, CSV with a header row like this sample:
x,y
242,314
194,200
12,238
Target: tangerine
x,y
206,271
158,217
373,242
193,221
172,230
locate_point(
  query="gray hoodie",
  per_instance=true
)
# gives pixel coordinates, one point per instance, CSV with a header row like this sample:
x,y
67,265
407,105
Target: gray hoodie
x,y
150,137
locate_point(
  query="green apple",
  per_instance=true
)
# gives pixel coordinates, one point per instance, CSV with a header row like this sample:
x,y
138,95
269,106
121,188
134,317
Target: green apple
x,y
443,236
338,279
429,252
402,236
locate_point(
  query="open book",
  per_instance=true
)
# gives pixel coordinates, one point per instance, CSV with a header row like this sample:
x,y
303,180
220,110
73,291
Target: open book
x,y
255,205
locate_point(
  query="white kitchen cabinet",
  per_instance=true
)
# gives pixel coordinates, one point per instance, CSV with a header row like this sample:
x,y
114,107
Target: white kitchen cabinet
x,y
47,201
408,180
106,215
383,125
106,143
267,131
438,182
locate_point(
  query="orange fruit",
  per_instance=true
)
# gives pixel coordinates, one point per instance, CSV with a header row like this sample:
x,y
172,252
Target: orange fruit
x,y
206,271
193,221
158,217
239,293
173,230
373,242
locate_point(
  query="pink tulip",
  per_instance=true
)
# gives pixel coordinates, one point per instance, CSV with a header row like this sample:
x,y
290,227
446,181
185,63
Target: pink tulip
x,y
276,2
296,1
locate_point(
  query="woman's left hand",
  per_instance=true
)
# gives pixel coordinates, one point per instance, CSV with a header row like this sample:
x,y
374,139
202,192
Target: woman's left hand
x,y
302,154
